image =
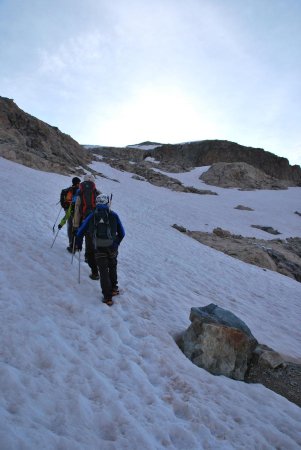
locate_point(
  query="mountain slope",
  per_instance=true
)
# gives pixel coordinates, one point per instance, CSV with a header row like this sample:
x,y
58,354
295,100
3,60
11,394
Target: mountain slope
x,y
34,143
76,374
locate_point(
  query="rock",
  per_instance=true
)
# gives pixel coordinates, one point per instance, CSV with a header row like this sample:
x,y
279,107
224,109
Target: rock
x,y
285,266
122,159
270,230
208,152
274,372
221,343
221,233
271,359
137,177
29,141
243,208
283,256
214,314
218,341
293,245
240,175
179,228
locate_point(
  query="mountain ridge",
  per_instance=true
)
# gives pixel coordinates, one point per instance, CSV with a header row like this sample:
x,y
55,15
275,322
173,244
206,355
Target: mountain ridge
x,y
29,141
208,152
34,143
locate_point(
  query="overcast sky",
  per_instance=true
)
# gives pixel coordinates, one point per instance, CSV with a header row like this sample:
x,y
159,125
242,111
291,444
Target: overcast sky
x,y
119,72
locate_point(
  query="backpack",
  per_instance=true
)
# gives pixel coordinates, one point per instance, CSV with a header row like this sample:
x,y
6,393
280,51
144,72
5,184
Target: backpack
x,y
87,194
66,197
103,233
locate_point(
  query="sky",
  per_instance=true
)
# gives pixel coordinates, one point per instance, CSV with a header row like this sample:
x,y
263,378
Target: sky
x,y
126,71
76,374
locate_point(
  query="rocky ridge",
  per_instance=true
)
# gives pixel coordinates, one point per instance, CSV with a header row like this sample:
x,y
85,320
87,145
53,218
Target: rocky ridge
x,y
282,256
132,160
29,141
233,165
208,152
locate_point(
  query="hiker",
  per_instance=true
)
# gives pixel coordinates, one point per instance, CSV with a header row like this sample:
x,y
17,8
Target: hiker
x,y
107,232
84,205
67,200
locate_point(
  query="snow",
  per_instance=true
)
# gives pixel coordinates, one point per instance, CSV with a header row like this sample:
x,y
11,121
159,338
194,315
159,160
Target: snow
x,y
76,374
145,146
151,159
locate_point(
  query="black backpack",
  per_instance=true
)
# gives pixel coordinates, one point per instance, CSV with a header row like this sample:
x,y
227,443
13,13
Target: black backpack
x,y
66,197
103,229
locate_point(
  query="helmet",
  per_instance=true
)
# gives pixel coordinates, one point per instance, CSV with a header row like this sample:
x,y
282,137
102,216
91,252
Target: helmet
x,y
75,181
102,199
89,177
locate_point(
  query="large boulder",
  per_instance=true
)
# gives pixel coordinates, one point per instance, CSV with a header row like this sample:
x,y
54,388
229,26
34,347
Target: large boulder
x,y
218,341
240,175
221,343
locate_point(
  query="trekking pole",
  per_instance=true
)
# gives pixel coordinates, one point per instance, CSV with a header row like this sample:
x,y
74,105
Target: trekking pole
x,y
110,202
56,219
73,249
55,238
79,266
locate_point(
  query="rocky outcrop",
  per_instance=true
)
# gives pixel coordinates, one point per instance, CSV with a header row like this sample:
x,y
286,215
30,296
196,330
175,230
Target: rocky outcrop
x,y
125,154
241,175
143,170
274,372
243,208
31,142
254,168
221,343
208,152
282,256
218,341
267,229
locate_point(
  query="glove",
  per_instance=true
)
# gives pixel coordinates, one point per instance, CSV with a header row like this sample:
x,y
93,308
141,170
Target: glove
x,y
60,226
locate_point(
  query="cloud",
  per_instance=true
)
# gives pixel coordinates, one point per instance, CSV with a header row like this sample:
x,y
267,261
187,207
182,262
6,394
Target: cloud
x,y
77,55
172,70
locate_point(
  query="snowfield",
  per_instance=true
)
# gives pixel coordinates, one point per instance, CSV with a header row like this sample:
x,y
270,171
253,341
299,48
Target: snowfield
x,y
77,375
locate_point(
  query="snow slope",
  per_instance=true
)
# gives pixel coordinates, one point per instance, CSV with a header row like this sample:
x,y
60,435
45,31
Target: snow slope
x,y
77,375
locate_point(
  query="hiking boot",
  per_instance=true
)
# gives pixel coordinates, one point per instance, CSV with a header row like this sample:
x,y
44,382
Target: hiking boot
x,y
69,249
108,301
115,291
94,276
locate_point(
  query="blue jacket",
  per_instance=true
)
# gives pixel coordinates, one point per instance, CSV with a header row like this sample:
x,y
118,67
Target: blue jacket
x,y
87,223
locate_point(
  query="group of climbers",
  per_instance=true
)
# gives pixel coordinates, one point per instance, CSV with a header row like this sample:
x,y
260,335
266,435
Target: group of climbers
x,y
88,215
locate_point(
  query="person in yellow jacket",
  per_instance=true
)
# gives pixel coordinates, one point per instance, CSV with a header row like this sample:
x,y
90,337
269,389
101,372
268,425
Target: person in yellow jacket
x,y
69,212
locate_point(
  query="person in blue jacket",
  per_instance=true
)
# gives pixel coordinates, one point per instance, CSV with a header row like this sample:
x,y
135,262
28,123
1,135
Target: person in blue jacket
x,y
107,232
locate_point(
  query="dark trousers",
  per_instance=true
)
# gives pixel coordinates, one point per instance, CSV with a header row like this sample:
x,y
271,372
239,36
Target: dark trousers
x,y
90,253
106,260
69,231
